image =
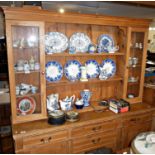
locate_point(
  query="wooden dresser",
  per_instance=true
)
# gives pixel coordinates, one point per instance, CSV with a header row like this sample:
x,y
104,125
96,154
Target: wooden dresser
x,y
26,29
93,130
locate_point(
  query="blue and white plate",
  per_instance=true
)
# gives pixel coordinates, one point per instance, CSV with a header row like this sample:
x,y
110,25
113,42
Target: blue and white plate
x,y
108,68
54,71
72,70
55,42
92,68
80,41
105,43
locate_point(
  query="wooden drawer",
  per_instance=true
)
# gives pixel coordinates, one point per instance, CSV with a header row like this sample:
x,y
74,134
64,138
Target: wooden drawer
x,y
39,139
141,118
94,128
90,142
51,148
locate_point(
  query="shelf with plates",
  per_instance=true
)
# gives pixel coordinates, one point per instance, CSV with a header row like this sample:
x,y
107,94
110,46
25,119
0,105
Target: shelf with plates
x,y
85,54
90,81
31,72
28,95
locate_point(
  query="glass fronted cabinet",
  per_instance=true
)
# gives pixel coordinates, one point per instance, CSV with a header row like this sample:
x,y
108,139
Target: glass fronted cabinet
x,y
135,67
26,70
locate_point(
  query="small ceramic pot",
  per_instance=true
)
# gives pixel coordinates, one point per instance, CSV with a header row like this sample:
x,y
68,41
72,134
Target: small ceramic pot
x,y
72,115
92,48
56,117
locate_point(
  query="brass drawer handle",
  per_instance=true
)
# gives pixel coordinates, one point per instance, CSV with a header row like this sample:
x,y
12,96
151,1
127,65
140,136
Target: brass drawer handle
x,y
94,141
99,139
49,139
96,128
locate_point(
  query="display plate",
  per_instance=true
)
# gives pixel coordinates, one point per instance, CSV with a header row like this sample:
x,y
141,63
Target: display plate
x,y
108,67
92,68
54,71
26,105
72,70
55,42
105,42
80,41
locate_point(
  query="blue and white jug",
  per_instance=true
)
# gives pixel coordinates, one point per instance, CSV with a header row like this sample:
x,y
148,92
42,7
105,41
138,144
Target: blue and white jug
x,y
86,94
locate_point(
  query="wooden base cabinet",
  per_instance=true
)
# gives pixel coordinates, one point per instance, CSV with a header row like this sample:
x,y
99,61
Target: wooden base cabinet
x,y
134,125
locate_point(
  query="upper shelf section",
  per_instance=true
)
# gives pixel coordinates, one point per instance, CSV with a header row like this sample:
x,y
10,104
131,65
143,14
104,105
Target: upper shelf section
x,y
38,14
85,54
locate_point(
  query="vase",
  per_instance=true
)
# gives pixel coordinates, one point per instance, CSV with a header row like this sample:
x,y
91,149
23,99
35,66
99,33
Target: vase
x,y
86,94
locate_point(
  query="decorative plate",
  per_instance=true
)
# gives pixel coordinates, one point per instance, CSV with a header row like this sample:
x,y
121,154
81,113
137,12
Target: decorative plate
x,y
26,105
92,68
54,71
80,41
55,42
105,43
108,68
72,70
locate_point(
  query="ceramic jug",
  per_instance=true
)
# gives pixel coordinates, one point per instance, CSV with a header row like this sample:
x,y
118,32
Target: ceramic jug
x,y
52,102
66,104
86,94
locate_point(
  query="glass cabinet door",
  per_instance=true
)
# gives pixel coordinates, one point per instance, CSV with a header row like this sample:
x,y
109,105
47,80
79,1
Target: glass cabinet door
x,y
27,81
136,64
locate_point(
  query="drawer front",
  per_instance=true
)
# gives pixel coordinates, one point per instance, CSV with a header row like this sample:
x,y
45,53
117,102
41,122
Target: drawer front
x,y
56,148
94,128
141,118
89,142
45,138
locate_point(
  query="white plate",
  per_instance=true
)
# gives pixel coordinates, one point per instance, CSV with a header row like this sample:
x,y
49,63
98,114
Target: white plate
x,y
92,68
55,42
80,41
72,70
54,71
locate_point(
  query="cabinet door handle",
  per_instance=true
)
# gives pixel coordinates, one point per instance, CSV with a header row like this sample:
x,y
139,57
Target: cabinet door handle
x,y
133,120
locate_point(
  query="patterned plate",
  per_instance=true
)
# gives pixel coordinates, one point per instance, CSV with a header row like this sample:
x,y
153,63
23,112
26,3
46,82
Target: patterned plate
x,y
105,43
54,71
108,67
80,41
26,105
92,68
55,42
72,70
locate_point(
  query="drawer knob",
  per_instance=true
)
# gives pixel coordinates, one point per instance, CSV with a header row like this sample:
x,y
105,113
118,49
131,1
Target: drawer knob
x,y
96,128
94,141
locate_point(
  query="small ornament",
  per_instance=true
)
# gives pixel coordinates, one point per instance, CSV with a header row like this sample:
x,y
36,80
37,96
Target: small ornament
x,y
92,48
32,63
83,74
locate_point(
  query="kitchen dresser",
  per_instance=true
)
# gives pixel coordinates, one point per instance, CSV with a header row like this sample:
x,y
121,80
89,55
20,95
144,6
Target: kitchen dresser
x,y
25,30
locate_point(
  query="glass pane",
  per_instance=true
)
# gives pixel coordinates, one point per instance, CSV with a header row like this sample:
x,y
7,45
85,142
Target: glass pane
x,y
26,53
135,63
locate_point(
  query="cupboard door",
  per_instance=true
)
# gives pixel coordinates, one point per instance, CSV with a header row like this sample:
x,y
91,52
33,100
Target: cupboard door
x,y
26,69
130,132
135,64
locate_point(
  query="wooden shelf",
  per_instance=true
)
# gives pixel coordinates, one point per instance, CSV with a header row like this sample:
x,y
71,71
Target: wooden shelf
x,y
90,81
85,54
133,83
28,95
22,72
132,67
